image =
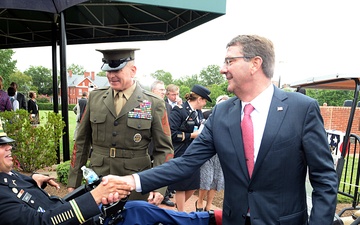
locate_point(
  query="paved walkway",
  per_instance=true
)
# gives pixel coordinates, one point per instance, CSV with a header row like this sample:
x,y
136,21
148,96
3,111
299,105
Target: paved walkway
x,y
189,205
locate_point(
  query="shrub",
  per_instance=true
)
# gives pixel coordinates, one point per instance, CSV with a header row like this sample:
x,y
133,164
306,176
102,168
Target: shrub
x,y
50,106
62,171
43,99
34,147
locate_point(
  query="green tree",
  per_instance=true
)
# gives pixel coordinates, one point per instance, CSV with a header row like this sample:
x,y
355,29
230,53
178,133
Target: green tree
x,y
24,82
211,75
101,74
76,69
165,77
331,97
216,91
42,79
188,81
7,65
183,90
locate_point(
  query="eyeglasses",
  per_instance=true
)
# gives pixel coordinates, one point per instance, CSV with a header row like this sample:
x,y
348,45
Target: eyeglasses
x,y
228,61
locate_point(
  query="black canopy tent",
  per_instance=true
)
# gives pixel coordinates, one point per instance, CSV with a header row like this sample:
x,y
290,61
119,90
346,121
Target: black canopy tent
x,y
33,23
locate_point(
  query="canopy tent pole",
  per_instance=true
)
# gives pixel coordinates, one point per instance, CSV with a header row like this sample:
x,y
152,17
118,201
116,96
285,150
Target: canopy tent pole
x,y
63,81
54,78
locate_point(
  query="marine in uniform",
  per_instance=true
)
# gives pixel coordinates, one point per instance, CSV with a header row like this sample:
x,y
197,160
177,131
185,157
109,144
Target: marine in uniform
x,y
120,140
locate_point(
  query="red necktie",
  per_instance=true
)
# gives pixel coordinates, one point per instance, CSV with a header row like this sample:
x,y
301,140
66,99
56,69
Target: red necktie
x,y
248,137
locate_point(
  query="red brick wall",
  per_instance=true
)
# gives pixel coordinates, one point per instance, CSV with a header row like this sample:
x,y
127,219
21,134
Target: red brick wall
x,y
336,118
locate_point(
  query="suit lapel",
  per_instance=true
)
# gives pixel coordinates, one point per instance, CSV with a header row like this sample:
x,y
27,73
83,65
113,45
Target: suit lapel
x,y
233,121
277,112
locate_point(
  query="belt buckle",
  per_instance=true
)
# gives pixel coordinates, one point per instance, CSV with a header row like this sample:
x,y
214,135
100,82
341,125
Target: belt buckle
x,y
112,152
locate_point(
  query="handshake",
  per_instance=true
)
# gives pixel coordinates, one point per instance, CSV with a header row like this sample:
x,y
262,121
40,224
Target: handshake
x,y
109,189
112,189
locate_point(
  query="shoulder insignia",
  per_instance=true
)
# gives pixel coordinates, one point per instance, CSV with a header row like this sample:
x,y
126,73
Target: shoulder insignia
x,y
102,88
151,94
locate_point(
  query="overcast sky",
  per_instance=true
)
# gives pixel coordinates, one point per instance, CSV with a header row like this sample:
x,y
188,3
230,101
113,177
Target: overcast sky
x,y
311,38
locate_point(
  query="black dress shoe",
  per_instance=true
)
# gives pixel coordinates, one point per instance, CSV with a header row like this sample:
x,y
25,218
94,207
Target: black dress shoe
x,y
168,202
198,209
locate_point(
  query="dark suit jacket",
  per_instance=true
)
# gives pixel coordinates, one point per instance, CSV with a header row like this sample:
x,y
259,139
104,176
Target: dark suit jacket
x,y
82,105
168,108
22,100
294,140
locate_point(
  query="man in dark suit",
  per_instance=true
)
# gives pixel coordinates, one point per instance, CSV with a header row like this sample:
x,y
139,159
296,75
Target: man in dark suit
x,y
79,110
119,122
158,88
172,95
289,140
20,97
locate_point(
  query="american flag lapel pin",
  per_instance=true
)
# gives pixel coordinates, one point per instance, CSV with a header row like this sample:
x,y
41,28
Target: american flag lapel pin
x,y
280,108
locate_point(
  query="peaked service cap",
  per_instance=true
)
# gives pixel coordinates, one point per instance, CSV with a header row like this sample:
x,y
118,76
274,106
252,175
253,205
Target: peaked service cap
x,y
4,139
202,91
116,59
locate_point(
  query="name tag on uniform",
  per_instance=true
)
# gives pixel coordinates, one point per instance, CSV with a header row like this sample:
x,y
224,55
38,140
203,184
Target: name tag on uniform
x,y
26,197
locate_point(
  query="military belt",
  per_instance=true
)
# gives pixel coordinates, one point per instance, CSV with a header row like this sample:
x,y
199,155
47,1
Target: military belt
x,y
120,153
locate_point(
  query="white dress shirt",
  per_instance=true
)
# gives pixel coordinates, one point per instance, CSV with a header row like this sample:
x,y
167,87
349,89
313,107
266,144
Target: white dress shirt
x,y
259,116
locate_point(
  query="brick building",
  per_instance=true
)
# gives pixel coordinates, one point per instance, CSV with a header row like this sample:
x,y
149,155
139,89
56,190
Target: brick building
x,y
336,118
77,84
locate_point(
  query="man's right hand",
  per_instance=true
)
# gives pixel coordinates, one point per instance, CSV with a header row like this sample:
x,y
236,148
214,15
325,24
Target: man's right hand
x,y
111,190
70,189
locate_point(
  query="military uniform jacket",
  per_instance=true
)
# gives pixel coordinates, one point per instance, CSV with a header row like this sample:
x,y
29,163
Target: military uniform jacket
x,y
120,142
181,138
23,202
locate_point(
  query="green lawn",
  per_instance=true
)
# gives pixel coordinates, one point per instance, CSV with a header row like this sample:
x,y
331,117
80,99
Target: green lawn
x,y
349,176
72,125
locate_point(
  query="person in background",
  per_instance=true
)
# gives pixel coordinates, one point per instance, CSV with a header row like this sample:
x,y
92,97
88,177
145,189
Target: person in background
x,y
5,104
79,111
14,102
211,175
301,90
183,120
119,122
158,88
264,184
19,96
172,98
172,95
33,109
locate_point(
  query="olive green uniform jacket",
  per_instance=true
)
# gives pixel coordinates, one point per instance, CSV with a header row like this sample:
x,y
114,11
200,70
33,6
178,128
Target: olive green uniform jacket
x,y
120,142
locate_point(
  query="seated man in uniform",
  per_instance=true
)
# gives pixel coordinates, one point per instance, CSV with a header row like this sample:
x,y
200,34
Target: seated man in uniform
x,y
23,202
